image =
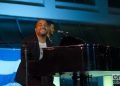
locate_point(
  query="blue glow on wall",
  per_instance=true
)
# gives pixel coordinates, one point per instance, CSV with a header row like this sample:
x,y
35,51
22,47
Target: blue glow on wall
x,y
10,59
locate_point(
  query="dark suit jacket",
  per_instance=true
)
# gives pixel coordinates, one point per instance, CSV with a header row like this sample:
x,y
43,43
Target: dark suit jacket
x,y
30,45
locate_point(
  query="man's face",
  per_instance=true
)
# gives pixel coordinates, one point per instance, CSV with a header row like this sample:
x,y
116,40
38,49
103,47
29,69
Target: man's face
x,y
41,28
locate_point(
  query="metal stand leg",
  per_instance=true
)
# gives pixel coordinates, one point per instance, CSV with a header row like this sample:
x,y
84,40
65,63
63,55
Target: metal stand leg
x,y
26,64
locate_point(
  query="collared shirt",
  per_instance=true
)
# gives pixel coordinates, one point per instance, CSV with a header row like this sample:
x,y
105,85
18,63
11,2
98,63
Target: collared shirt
x,y
42,45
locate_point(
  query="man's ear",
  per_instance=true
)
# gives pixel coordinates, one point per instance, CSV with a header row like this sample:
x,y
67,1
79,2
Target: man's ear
x,y
35,29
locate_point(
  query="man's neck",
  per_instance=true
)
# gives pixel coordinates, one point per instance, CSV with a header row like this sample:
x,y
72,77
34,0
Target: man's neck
x,y
42,39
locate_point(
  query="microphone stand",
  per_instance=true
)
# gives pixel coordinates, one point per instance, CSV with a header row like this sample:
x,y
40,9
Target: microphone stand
x,y
26,64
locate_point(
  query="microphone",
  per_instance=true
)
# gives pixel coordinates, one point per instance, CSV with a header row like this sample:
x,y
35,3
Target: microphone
x,y
62,32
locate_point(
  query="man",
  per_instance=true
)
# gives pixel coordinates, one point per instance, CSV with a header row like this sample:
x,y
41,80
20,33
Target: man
x,y
33,45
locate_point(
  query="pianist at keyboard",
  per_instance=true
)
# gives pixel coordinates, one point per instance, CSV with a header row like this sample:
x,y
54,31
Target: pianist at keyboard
x,y
44,30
